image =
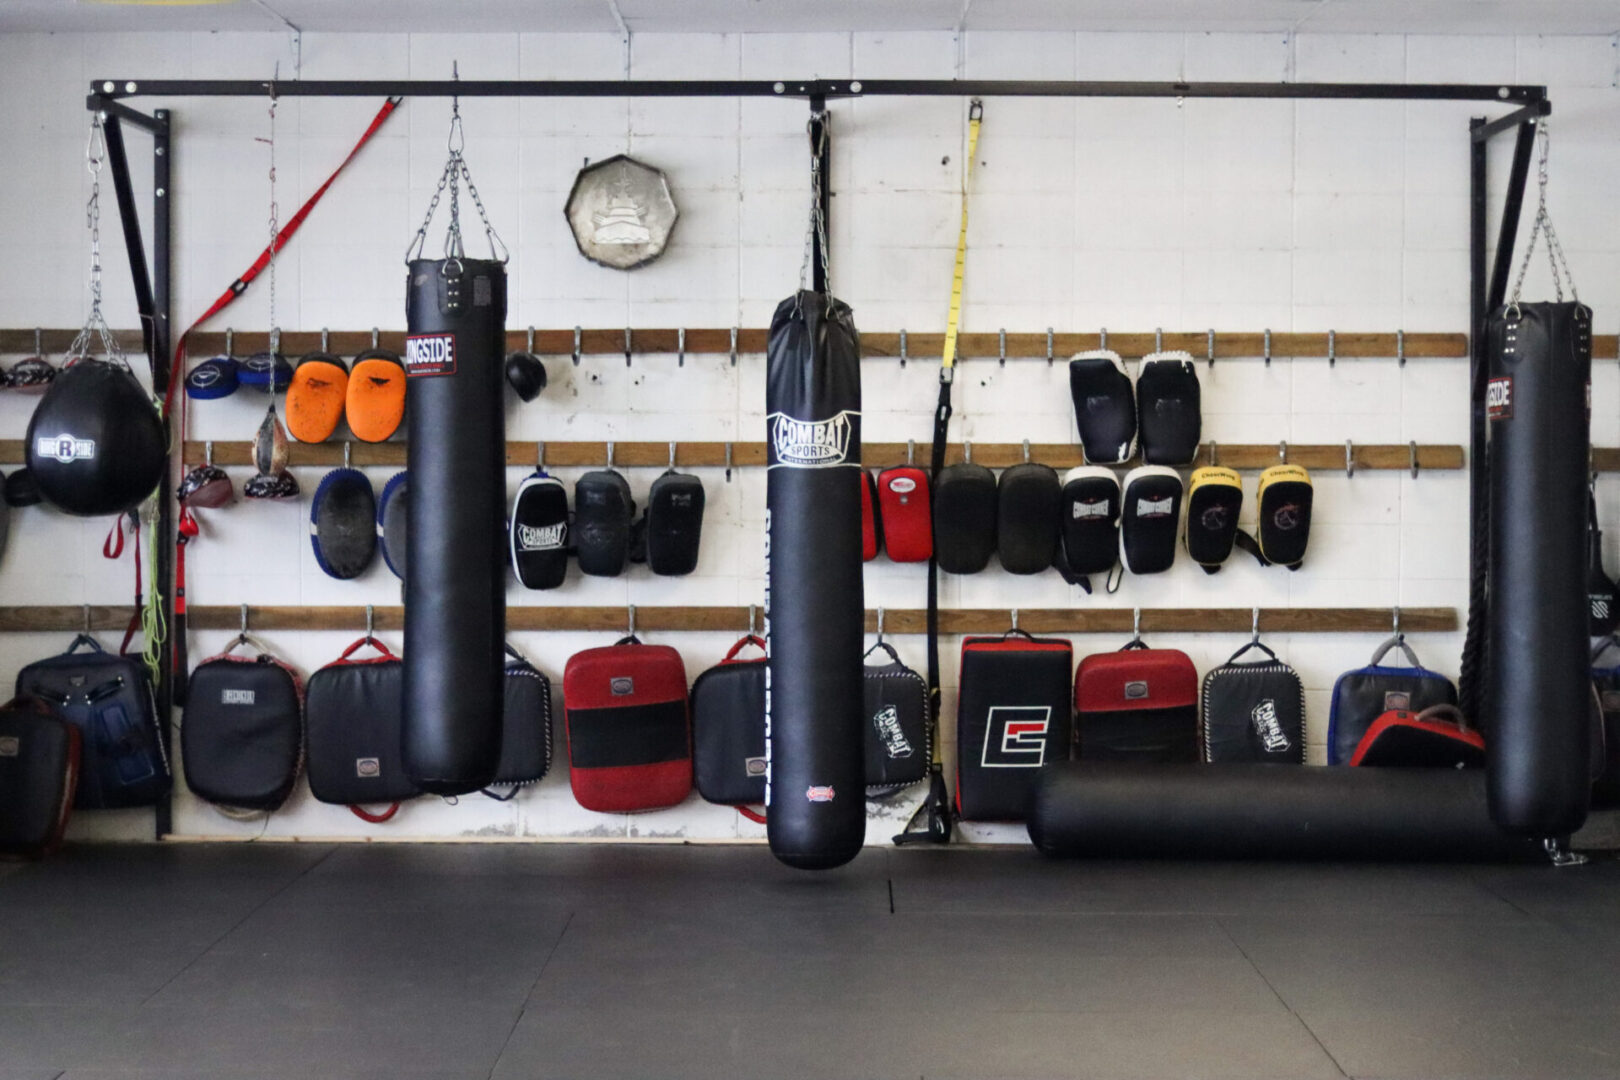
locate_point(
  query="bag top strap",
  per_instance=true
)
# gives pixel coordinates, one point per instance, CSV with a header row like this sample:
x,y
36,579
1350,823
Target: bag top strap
x,y
1396,642
894,657
85,639
383,650
1444,713
628,639
742,643
1252,645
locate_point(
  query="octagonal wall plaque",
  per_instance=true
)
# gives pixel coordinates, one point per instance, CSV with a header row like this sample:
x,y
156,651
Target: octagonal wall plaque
x,y
621,212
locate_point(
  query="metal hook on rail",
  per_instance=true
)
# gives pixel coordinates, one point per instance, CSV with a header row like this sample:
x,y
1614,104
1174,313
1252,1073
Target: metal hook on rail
x,y
1254,627
1400,347
1349,460
1412,451
751,615
627,349
610,453
728,463
1001,337
578,333
371,623
1136,625
630,619
1209,347
880,625
733,346
1158,339
1049,356
902,348
1333,349
1282,452
680,347
1268,348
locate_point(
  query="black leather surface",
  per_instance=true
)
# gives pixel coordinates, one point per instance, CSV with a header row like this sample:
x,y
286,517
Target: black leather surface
x,y
674,523
95,445
455,602
1027,525
602,512
243,733
356,716
964,518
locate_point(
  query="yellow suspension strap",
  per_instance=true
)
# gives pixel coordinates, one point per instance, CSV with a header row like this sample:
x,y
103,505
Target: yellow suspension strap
x,y
932,821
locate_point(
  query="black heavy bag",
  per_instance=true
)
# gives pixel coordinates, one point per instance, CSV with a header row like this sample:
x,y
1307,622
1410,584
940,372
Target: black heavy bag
x,y
95,444
814,604
455,614
1537,685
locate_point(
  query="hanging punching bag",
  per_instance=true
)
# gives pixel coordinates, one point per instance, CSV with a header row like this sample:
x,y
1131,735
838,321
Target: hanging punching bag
x,y
455,611
814,606
96,443
1537,686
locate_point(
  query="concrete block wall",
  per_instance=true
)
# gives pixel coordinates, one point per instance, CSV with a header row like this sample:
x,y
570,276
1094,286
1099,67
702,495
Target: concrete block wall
x,y
1237,215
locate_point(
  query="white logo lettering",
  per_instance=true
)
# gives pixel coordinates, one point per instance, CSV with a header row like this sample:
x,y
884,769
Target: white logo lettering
x,y
542,537
65,448
811,443
10,746
430,354
1268,727
1155,507
887,723
368,768
237,697
1015,737
1097,509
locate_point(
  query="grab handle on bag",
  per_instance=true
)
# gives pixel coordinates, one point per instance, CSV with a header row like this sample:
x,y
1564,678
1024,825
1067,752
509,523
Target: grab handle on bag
x,y
1247,645
1396,642
1444,713
387,653
742,643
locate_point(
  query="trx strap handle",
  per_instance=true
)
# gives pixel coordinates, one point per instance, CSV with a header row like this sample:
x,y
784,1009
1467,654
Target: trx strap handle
x,y
932,821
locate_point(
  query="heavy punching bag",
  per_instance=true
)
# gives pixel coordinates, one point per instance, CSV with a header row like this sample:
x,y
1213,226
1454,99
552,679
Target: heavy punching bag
x,y
1537,687
814,605
455,610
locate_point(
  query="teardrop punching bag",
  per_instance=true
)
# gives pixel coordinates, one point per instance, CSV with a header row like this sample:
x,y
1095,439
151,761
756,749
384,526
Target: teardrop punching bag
x,y
1537,686
814,604
95,443
455,609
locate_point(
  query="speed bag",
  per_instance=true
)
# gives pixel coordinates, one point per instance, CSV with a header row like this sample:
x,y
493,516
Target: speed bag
x,y
108,697
39,773
1438,737
1535,705
1168,408
343,524
906,513
1284,518
728,728
1253,711
871,528
603,510
898,753
539,532
525,725
1214,499
96,445
629,738
1361,696
1138,704
455,584
1150,514
1027,524
1089,512
1012,720
242,739
964,499
674,523
815,607
1104,406
355,714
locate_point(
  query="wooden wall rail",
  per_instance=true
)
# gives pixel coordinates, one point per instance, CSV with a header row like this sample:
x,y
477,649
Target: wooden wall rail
x,y
877,455
895,620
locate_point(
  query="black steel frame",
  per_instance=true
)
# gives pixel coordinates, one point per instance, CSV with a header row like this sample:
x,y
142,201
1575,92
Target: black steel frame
x,y
152,286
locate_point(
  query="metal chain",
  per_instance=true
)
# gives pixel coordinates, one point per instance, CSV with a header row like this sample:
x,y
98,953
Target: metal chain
x,y
817,232
275,234
455,173
95,325
1544,223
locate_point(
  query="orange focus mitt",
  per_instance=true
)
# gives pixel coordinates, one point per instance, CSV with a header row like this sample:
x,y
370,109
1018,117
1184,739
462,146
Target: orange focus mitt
x,y
376,395
315,397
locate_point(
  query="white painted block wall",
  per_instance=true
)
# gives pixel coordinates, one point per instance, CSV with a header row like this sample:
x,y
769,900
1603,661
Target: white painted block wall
x,y
1236,215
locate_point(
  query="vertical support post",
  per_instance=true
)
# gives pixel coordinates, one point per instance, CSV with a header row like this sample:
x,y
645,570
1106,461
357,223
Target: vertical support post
x,y
160,337
1472,675
118,159
1517,180
821,146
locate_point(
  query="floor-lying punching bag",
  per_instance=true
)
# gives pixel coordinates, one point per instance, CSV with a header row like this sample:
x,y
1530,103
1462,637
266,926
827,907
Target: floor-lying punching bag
x,y
455,608
1537,686
814,605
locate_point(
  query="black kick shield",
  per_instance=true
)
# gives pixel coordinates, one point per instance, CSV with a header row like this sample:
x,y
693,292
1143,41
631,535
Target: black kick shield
x,y
1537,687
455,612
814,604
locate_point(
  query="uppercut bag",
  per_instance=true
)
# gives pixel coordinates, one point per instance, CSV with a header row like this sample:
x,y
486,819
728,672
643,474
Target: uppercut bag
x,y
1438,737
674,523
109,699
603,510
315,397
898,753
343,523
1104,406
728,728
39,773
1168,408
964,499
906,513
355,712
1253,711
1150,514
1214,499
392,528
1027,525
1012,720
95,444
374,401
629,737
871,529
1137,704
538,535
1284,519
243,734
1361,696
1089,512
525,727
